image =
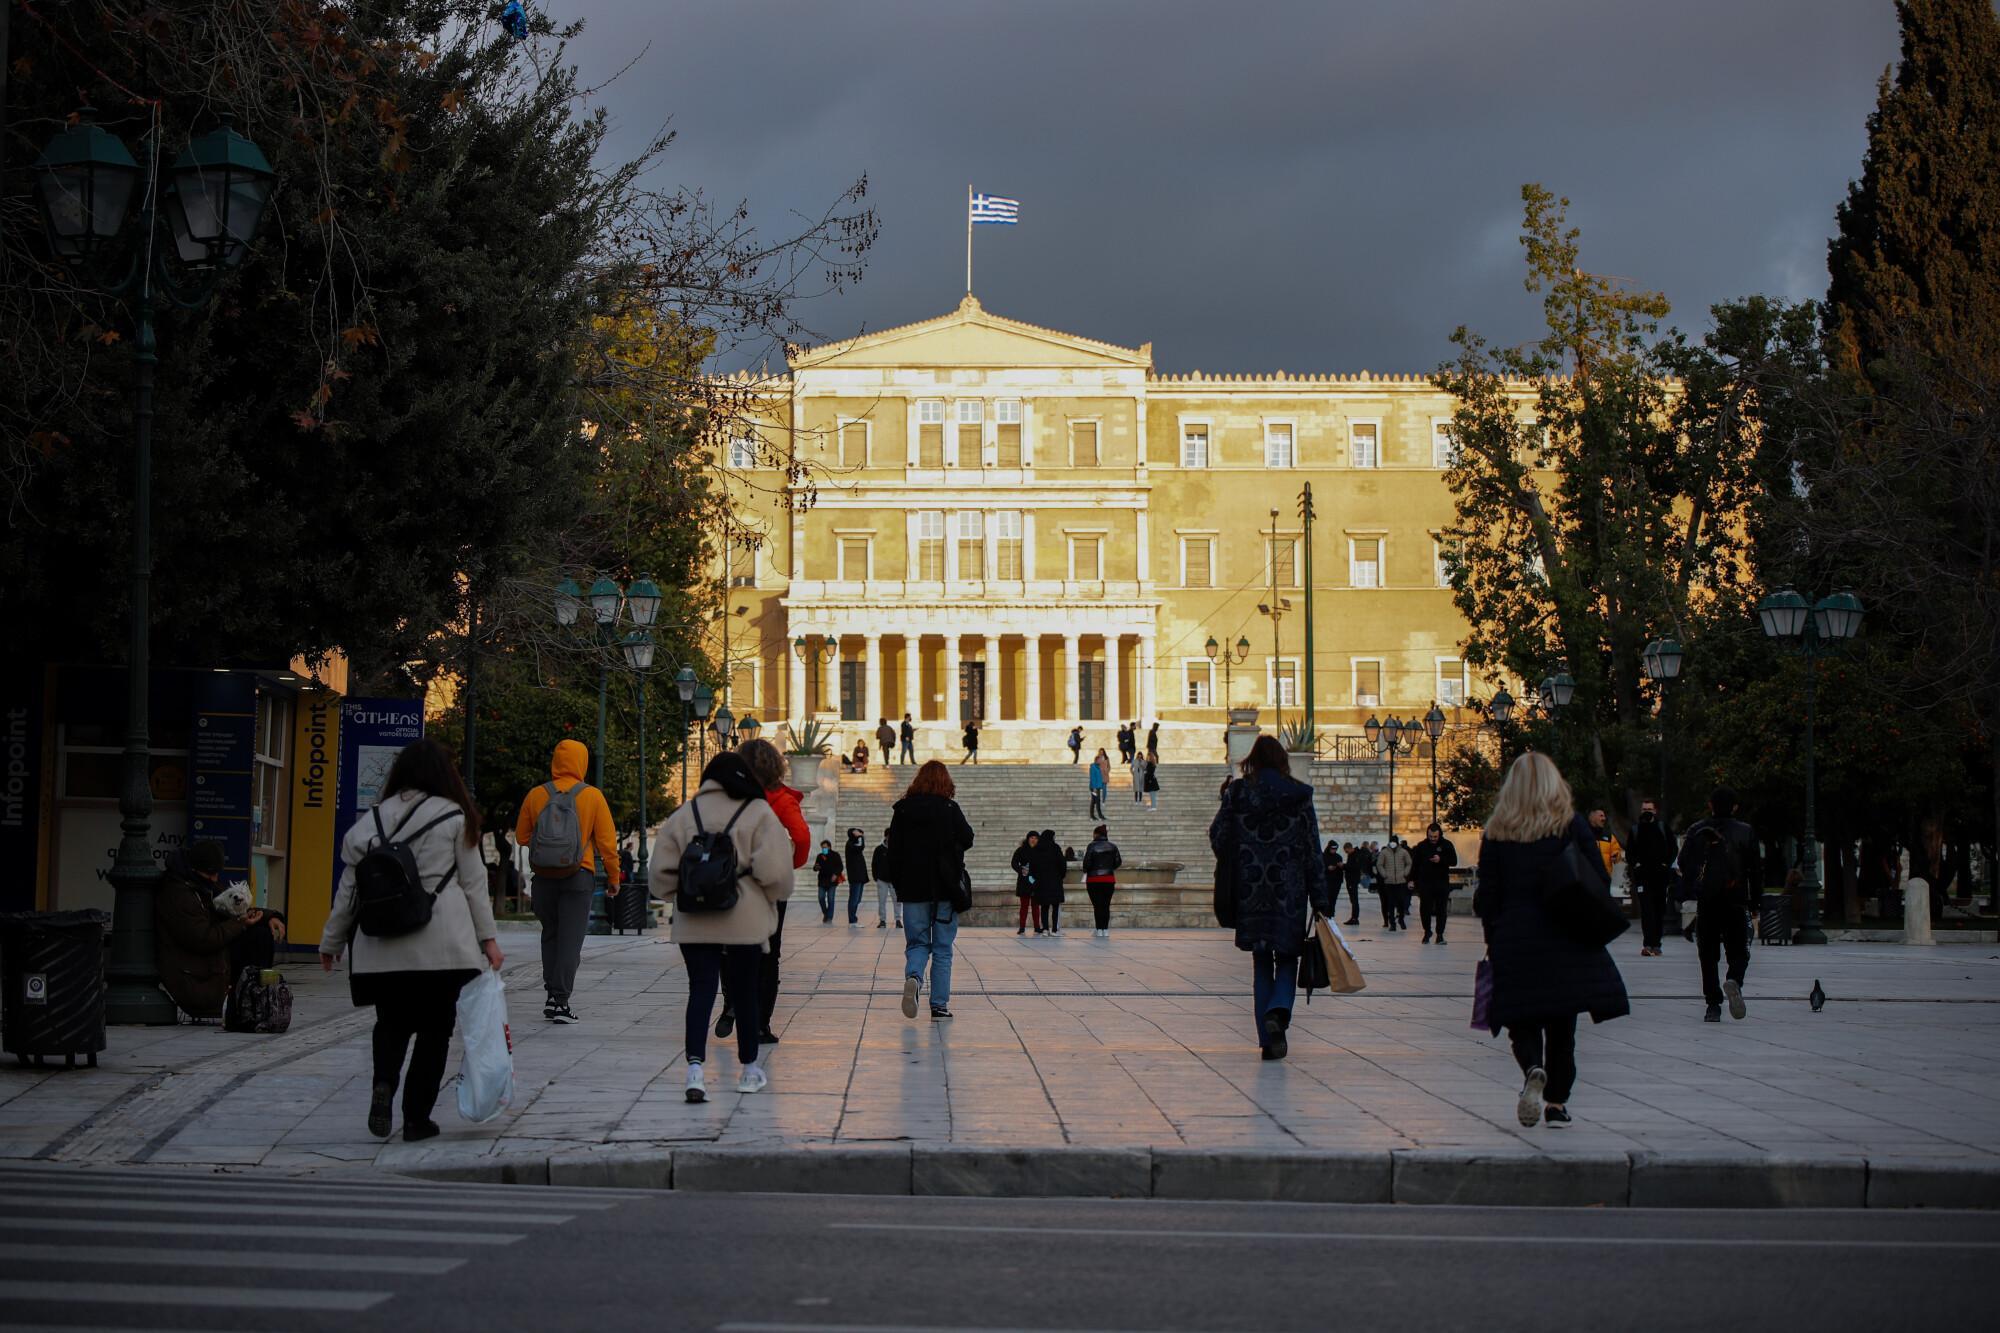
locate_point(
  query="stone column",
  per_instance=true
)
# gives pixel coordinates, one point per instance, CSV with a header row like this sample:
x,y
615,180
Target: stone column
x,y
1149,707
1072,661
871,683
913,676
949,683
1031,707
992,683
1114,705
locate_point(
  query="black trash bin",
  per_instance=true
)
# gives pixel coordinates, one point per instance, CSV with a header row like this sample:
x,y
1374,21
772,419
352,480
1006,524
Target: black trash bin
x,y
52,984
632,908
1774,919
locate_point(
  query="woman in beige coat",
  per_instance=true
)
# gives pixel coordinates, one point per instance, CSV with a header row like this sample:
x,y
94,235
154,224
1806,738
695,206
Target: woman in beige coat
x,y
726,948
413,980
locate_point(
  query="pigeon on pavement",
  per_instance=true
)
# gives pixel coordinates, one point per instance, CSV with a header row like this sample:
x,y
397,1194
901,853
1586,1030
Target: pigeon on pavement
x,y
1817,998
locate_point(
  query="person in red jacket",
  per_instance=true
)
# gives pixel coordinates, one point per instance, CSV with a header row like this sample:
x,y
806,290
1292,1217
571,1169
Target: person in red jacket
x,y
768,767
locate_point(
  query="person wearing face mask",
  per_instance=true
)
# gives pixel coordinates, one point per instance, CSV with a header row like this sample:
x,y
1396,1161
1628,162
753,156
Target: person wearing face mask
x,y
1430,868
1650,865
827,870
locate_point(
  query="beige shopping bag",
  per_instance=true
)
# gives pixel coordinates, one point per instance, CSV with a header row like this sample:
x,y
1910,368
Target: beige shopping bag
x,y
1341,968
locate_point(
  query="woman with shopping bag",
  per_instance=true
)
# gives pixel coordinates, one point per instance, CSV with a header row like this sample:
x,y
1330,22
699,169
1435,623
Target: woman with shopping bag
x,y
422,839
1266,843
1543,973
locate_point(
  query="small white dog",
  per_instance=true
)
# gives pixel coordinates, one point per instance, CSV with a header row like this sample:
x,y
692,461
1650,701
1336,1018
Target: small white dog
x,y
232,900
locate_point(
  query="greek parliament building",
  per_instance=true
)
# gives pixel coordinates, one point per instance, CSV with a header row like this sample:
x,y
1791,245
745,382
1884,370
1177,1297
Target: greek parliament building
x,y
973,517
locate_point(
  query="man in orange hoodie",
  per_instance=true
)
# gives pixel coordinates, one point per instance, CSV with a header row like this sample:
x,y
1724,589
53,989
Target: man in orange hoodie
x,y
566,826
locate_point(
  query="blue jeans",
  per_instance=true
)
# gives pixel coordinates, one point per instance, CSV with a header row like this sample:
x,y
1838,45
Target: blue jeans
x,y
854,888
928,932
1274,984
826,892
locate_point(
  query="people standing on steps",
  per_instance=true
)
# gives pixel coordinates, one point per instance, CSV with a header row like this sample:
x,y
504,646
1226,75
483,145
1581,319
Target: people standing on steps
x,y
885,741
1100,783
908,735
1100,876
1153,741
1024,882
723,949
1138,767
1350,870
971,740
1543,976
1650,865
1265,837
857,873
566,826
767,766
413,980
928,838
1335,866
1075,743
1152,781
886,902
1051,868
1128,741
1433,860
1392,868
827,870
1721,865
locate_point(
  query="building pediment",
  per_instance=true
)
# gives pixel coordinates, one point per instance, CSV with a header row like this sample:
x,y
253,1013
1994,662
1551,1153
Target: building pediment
x,y
970,336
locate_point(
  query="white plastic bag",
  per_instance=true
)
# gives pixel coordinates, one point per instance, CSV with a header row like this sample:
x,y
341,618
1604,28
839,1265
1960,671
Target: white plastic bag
x,y
486,1073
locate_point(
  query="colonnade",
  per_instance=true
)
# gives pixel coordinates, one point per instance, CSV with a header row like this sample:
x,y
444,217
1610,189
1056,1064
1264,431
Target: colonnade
x,y
1110,675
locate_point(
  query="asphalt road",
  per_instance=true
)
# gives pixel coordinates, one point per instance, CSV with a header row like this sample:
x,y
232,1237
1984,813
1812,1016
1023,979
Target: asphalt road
x,y
167,1249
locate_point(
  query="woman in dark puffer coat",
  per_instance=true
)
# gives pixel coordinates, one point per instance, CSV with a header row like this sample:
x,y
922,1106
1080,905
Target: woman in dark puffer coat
x,y
1051,867
1266,843
1542,977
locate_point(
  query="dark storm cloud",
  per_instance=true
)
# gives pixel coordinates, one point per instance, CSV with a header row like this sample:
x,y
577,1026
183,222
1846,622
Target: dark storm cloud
x,y
1256,186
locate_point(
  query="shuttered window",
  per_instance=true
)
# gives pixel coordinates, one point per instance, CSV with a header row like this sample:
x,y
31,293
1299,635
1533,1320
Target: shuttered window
x,y
1007,543
1197,562
1083,444
1007,432
930,433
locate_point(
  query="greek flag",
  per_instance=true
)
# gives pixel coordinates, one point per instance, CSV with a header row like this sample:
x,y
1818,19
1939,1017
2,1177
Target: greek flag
x,y
992,208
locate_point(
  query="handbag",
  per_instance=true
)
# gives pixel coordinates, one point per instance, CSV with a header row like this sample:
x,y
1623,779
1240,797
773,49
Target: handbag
x,y
1343,972
1577,896
1482,997
1313,970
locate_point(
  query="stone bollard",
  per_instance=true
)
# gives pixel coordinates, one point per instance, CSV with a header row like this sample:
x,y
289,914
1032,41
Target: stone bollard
x,y
1917,912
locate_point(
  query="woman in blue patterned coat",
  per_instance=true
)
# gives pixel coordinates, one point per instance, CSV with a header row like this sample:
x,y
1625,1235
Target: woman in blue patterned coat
x,y
1266,843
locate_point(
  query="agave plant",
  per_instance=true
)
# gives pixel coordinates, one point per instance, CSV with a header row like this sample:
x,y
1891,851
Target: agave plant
x,y
1299,737
812,740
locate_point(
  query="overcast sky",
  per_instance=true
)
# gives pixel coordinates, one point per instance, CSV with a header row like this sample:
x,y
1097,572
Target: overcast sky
x,y
1314,186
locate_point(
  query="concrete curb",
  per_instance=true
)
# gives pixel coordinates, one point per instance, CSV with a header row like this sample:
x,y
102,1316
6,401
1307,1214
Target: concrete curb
x,y
1407,1176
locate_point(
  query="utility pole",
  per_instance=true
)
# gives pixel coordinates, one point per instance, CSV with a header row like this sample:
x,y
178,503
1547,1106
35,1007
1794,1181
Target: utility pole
x,y
1306,522
1275,609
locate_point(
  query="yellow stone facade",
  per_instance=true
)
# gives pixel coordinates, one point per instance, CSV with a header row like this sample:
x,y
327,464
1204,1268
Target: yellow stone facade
x,y
977,516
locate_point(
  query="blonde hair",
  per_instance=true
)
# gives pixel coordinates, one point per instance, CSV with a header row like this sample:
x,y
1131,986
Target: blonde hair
x,y
1534,802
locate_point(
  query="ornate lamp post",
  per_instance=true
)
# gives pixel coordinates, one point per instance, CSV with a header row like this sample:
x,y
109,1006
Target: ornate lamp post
x,y
807,655
1662,659
704,700
1812,632
684,686
638,648
1392,738
215,192
1230,658
1434,728
1502,707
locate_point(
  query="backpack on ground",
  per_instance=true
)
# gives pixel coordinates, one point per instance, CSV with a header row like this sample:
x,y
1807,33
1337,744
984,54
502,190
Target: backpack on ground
x,y
708,869
1718,872
555,849
259,1001
390,898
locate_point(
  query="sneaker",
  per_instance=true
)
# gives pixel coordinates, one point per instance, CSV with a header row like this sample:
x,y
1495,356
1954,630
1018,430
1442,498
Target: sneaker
x,y
939,1011
1055,930
378,1109
1556,1115
1275,1047
1352,921
1022,930
1040,931
1440,939
725,1025
767,1038
1528,1110
563,1014
416,1131
697,1087
1733,992
1427,937
1713,1014
910,987
752,1079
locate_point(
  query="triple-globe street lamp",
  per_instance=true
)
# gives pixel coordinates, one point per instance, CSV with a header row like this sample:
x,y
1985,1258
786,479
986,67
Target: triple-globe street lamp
x,y
1662,660
1392,738
86,182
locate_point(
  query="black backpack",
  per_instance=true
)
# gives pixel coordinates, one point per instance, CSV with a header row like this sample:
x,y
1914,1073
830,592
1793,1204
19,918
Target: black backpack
x,y
708,869
1718,871
390,898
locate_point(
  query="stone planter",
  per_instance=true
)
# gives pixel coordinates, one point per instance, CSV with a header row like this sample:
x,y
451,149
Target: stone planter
x,y
805,771
1301,762
1241,735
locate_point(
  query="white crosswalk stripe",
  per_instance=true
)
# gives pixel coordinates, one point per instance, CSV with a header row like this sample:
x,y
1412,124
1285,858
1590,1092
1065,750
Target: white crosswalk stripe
x,y
131,1250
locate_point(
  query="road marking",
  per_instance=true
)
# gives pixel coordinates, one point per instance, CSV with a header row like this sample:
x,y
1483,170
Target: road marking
x,y
1391,1238
212,1258
287,1230
220,1298
905,1328
157,1188
203,1205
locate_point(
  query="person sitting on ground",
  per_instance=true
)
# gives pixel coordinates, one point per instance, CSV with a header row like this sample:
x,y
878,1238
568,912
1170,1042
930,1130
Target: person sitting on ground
x,y
193,939
858,762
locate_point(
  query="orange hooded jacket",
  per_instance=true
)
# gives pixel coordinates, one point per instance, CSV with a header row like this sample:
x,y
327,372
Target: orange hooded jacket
x,y
593,814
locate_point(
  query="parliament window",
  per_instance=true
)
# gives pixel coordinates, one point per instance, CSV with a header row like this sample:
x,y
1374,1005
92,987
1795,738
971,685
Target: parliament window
x,y
1200,676
742,564
1007,544
1197,562
1007,432
1367,682
971,544
1283,682
854,444
1364,562
930,433
743,451
1194,444
1086,558
1083,444
854,559
1366,449
1444,450
1284,561
1450,682
1278,444
930,546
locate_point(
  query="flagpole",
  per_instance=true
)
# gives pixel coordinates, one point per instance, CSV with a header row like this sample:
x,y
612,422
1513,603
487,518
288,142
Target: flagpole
x,y
968,240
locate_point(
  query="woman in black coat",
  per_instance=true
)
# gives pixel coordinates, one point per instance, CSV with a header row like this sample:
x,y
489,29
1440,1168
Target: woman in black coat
x,y
928,838
1024,882
1050,869
1542,976
1266,843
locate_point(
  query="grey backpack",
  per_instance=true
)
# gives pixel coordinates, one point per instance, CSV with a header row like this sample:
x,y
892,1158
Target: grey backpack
x,y
556,849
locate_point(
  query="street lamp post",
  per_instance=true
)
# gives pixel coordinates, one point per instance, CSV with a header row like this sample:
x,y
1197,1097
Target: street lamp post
x,y
216,191
704,700
1229,657
684,686
807,655
1434,728
639,656
1391,738
1812,632
1662,660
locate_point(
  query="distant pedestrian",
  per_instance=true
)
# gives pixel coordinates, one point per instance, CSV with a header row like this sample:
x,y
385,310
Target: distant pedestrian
x,y
1543,976
1335,866
928,837
1127,742
1720,863
1138,767
828,869
1100,878
1100,783
566,826
909,739
720,950
1607,846
1153,740
1431,865
886,903
1351,871
1024,882
971,740
885,741
767,766
857,873
1051,868
1266,843
1076,744
413,980
1392,869
1152,781
1650,866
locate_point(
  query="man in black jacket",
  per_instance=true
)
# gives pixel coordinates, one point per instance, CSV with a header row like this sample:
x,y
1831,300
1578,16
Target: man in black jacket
x,y
826,869
1650,864
909,737
1719,860
1430,868
857,873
